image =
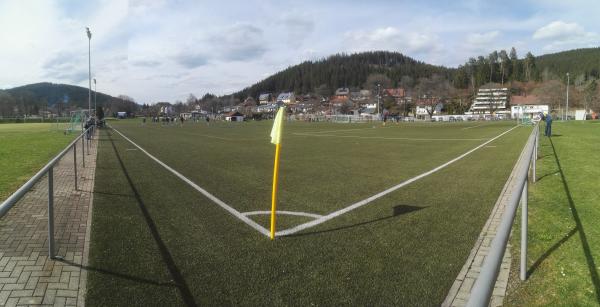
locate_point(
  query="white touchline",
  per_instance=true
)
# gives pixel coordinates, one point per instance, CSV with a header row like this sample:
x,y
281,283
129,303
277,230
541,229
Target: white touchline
x,y
382,137
219,202
315,216
380,194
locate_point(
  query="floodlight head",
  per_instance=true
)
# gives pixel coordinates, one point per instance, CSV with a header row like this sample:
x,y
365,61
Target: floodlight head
x,y
89,34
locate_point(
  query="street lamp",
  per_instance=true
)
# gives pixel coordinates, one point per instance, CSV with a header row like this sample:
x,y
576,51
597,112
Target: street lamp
x,y
95,97
567,110
89,35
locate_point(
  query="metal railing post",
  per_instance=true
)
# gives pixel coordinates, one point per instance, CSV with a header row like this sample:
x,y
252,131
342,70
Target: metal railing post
x,y
83,150
51,212
75,165
534,158
523,273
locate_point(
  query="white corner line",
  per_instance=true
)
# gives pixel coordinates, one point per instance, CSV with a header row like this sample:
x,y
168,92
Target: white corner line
x,y
219,202
363,202
315,216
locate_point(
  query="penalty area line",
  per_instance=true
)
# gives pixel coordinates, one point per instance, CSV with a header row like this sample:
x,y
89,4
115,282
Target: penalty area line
x,y
363,202
383,137
219,202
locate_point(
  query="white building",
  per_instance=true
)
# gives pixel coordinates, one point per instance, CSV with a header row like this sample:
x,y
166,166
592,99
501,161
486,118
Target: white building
x,y
422,110
267,108
490,100
527,107
264,98
286,98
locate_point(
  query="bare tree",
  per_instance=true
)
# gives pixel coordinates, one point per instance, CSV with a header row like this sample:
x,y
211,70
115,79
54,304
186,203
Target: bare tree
x,y
552,92
191,100
590,94
434,91
492,59
503,61
374,79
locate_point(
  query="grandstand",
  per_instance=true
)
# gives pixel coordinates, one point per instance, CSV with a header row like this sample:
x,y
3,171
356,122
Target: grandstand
x,y
491,101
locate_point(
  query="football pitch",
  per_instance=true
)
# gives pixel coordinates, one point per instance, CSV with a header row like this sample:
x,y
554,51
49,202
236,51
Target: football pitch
x,y
367,214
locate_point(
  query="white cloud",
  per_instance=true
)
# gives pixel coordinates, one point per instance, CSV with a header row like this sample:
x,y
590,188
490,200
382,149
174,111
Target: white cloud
x,y
393,39
562,35
298,28
559,30
480,39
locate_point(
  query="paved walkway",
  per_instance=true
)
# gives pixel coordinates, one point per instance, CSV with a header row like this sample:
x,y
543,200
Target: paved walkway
x,y
461,289
27,275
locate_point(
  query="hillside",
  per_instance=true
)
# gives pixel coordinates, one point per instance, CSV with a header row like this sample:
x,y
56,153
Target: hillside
x,y
50,93
56,98
577,62
340,70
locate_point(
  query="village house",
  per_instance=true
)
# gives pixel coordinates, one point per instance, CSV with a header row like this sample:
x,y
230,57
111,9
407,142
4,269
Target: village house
x,y
286,98
529,106
425,104
265,98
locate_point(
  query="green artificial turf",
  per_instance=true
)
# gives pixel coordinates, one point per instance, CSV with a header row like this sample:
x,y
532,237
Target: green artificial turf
x,y
156,241
24,149
564,229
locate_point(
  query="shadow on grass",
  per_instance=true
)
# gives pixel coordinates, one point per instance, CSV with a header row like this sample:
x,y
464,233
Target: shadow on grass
x,y
117,274
546,175
551,250
578,228
180,283
397,210
115,194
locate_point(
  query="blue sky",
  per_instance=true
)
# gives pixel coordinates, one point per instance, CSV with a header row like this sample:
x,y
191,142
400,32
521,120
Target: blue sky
x,y
159,50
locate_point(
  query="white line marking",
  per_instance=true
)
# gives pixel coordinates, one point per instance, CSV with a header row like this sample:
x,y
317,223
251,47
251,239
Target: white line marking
x,y
383,138
381,194
341,130
219,202
315,216
473,127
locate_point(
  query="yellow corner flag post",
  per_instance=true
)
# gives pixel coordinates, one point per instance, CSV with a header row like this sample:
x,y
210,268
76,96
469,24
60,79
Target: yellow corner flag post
x,y
276,139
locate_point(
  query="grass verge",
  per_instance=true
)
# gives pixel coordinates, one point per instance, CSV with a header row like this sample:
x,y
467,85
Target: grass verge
x,y
564,233
25,149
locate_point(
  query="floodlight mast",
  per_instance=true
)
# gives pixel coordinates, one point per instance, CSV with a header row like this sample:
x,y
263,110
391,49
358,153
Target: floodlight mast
x,y
95,97
89,35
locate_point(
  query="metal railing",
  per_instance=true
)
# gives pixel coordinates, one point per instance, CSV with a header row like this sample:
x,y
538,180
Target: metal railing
x,y
484,285
49,169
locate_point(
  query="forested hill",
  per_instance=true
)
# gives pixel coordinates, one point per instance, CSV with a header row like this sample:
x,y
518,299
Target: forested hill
x,y
576,62
324,76
50,93
582,64
340,70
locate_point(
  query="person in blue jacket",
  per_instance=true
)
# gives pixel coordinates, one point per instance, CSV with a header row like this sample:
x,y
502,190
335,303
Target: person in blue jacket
x,y
548,131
